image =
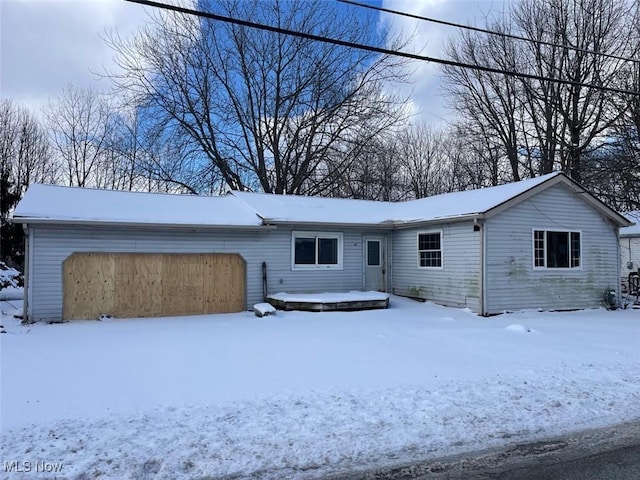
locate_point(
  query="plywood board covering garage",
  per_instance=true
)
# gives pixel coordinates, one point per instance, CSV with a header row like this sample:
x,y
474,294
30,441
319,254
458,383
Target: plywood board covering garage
x,y
128,285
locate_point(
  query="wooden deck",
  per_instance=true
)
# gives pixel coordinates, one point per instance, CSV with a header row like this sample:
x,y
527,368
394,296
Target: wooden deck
x,y
325,302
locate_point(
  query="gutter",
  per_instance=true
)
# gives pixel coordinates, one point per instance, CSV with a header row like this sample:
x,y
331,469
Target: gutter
x,y
268,224
99,223
386,225
618,289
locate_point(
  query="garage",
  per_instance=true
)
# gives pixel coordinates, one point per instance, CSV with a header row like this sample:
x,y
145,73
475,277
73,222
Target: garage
x,y
125,285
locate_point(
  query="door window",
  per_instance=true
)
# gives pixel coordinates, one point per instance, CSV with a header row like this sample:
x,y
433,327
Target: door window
x,y
373,253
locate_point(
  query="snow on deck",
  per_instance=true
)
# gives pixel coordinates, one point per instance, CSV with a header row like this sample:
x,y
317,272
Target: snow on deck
x,y
321,302
303,395
330,297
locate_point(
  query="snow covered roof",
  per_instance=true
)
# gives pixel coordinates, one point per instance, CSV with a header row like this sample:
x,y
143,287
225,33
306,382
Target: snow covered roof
x,y
634,230
55,204
449,206
318,210
468,202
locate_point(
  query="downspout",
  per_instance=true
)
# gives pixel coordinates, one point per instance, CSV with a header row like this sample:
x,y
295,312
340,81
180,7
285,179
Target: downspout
x,y
619,272
26,317
387,263
363,241
483,269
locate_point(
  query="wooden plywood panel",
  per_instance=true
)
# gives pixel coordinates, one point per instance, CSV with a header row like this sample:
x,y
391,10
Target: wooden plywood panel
x,y
224,283
138,285
150,285
182,284
88,286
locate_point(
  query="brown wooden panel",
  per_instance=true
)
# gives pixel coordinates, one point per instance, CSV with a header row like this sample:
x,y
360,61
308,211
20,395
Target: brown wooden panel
x,y
138,285
182,284
152,284
224,283
88,286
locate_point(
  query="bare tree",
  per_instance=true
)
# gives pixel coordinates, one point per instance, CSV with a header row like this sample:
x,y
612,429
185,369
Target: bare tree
x,y
24,159
490,102
614,173
169,162
569,120
423,156
372,171
265,109
79,122
542,125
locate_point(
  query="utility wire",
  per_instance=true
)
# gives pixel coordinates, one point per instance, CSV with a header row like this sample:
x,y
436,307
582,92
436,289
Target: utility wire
x,y
483,30
370,48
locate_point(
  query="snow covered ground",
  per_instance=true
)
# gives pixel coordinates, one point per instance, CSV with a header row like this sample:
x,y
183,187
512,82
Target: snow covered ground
x,y
301,395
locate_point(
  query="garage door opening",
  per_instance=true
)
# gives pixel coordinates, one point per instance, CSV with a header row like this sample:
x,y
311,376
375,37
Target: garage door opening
x,y
127,285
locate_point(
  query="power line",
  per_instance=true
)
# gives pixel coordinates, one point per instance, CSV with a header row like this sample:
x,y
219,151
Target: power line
x,y
373,49
483,30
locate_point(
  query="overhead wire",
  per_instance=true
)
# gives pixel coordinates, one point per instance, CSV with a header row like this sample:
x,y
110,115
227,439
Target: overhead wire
x,y
484,30
370,48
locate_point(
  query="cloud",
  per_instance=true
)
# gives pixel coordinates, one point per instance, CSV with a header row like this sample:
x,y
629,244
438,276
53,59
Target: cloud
x,y
428,39
45,45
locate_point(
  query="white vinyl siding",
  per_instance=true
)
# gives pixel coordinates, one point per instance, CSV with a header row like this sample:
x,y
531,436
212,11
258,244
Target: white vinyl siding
x,y
51,245
456,283
513,281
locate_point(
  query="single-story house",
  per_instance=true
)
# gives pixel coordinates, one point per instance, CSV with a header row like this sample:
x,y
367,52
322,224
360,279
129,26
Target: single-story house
x,y
538,243
630,245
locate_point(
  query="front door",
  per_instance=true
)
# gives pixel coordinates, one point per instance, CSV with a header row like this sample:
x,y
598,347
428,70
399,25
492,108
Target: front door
x,y
374,264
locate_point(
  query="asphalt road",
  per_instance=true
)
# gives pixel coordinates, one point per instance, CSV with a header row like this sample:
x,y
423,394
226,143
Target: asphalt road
x,y
620,464
611,453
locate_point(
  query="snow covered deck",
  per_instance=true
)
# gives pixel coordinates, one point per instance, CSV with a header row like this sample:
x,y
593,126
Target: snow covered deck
x,y
322,302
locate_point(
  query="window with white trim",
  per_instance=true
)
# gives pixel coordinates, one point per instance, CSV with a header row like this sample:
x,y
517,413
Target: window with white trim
x,y
557,249
430,249
316,250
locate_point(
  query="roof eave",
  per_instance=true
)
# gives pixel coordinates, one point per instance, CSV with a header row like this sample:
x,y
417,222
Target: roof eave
x,y
386,225
99,223
440,220
629,235
290,223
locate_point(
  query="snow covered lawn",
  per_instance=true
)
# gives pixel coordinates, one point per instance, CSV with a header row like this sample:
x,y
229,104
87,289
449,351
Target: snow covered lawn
x,y
302,395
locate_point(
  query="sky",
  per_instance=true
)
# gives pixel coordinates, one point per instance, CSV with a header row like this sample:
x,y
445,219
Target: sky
x,y
46,45
428,39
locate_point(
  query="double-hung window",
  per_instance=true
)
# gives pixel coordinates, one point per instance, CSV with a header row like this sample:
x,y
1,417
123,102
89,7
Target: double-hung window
x,y
430,249
557,249
316,250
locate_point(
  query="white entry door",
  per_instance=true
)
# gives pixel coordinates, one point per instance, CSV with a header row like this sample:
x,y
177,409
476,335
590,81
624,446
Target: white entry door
x,y
374,264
